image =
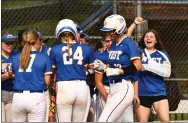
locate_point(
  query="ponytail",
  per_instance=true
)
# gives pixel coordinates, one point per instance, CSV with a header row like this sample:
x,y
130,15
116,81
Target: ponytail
x,y
67,37
30,38
25,55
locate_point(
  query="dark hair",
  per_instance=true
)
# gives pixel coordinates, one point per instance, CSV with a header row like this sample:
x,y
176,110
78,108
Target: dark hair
x,y
158,45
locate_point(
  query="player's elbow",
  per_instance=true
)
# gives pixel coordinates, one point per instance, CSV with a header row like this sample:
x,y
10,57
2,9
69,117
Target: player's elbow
x,y
168,73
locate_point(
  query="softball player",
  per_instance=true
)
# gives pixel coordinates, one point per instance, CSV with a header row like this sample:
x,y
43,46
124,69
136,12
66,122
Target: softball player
x,y
102,84
44,49
7,84
32,71
69,58
124,61
152,89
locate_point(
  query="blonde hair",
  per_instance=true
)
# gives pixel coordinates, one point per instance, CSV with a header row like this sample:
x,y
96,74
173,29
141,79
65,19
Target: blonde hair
x,y
67,37
30,38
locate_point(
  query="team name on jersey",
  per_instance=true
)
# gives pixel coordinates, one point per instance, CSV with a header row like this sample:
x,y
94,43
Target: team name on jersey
x,y
114,54
156,59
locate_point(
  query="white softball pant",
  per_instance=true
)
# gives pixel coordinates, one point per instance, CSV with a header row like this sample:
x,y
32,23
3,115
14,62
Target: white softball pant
x,y
47,95
6,105
73,101
127,115
120,97
28,107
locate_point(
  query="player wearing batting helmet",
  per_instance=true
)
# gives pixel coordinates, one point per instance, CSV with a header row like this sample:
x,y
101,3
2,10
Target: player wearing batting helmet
x,y
69,58
124,61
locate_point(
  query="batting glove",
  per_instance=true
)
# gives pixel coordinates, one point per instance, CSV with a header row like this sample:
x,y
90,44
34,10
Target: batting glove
x,y
89,72
99,65
112,71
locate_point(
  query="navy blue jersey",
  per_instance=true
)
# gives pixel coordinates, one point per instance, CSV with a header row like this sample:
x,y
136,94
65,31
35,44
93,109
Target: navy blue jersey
x,y
45,49
151,84
7,84
32,78
120,55
103,56
71,67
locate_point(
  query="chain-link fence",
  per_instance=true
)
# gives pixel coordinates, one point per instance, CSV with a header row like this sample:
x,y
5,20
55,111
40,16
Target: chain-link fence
x,y
169,18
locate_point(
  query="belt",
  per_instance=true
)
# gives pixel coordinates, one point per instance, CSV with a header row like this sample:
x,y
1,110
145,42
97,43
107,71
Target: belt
x,y
107,84
115,81
36,91
9,90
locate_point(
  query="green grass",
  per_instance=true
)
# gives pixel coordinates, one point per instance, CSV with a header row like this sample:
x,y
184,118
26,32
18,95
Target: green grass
x,y
14,4
47,27
175,117
23,3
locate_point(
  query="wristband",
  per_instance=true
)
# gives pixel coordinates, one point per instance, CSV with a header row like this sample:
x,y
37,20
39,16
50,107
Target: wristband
x,y
135,23
129,69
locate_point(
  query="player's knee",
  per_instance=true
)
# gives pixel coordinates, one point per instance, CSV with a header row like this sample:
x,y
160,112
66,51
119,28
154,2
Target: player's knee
x,y
164,119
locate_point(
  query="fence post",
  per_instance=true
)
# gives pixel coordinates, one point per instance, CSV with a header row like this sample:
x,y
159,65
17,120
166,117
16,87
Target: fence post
x,y
114,6
138,14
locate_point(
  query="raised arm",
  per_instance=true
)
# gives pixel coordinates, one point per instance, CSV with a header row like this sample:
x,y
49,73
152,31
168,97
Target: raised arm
x,y
137,21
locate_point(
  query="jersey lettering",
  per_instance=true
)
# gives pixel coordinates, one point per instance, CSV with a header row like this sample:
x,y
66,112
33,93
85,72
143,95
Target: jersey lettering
x,y
28,69
115,54
77,55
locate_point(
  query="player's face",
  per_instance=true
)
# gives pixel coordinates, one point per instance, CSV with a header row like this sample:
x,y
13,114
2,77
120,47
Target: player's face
x,y
82,40
110,35
78,36
150,40
7,47
108,42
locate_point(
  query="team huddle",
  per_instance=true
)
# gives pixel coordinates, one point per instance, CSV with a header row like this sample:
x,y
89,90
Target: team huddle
x,y
101,84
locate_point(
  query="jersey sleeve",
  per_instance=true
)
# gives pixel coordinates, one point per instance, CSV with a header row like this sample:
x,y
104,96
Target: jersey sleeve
x,y
165,57
91,57
133,50
48,67
52,57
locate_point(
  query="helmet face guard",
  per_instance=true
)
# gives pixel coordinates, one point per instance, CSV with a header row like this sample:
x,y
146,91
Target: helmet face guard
x,y
66,25
114,22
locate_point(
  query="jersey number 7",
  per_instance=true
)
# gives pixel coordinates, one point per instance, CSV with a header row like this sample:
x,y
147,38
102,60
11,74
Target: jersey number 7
x,y
28,69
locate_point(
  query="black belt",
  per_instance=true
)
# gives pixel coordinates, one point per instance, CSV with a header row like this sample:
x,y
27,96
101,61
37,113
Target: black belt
x,y
107,84
115,81
9,90
36,91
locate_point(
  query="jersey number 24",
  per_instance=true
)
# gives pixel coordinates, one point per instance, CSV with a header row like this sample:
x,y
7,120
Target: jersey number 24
x,y
77,55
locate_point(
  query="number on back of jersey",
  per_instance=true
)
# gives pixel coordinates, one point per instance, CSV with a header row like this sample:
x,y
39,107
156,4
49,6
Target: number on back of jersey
x,y
76,56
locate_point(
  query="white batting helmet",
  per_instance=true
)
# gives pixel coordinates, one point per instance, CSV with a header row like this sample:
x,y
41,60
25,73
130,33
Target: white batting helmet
x,y
114,22
66,25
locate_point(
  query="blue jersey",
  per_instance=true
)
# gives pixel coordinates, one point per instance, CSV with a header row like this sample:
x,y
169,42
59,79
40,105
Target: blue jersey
x,y
120,56
7,84
32,78
103,56
71,67
151,84
45,49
